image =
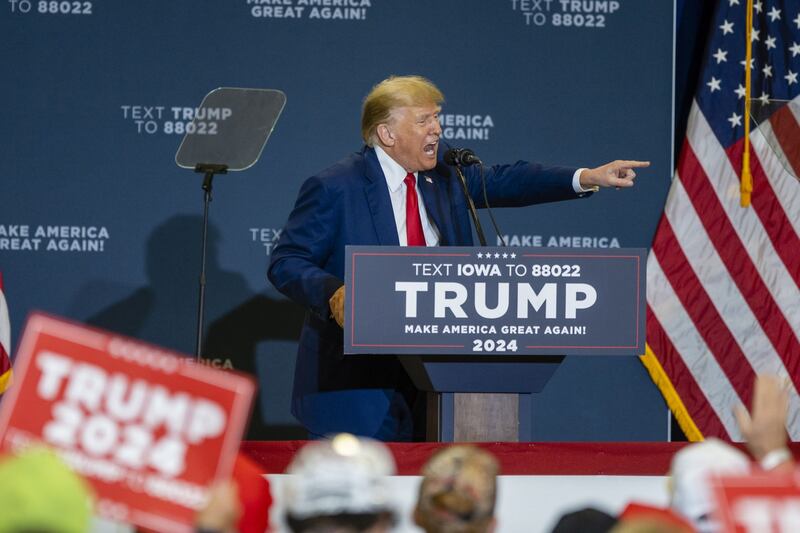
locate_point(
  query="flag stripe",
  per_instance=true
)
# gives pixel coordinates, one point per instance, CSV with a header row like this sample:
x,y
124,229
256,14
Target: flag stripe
x,y
701,311
751,233
5,363
766,205
751,342
698,408
772,158
5,326
787,131
5,341
736,259
699,379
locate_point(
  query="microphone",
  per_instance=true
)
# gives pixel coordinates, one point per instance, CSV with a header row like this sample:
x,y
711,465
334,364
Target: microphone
x,y
463,157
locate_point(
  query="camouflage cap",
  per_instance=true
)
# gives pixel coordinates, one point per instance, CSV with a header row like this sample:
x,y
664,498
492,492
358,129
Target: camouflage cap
x,y
459,486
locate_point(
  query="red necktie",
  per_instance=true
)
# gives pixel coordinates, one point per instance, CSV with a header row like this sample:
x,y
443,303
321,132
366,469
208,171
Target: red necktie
x,y
413,223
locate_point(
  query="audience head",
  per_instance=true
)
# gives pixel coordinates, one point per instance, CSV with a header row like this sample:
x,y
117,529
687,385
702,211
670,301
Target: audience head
x,y
458,491
340,485
40,493
692,471
587,520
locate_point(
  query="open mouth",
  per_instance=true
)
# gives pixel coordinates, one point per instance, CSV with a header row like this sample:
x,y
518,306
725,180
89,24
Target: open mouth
x,y
430,149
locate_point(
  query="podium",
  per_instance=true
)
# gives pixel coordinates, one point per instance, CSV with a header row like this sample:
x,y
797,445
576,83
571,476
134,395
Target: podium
x,y
480,399
481,330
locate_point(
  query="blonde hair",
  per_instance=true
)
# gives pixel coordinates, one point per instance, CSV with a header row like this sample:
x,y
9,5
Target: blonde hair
x,y
458,491
391,93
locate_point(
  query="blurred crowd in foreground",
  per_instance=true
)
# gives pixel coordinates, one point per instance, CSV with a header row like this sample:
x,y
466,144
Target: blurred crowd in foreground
x,y
339,485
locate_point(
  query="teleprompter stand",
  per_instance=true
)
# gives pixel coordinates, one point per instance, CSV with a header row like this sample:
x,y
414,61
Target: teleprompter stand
x,y
228,133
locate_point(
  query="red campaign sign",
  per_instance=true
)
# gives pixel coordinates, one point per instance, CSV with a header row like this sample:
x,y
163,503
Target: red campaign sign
x,y
150,430
760,503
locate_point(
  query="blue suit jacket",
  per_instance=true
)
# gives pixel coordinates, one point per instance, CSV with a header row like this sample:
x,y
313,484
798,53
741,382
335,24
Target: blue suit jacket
x,y
349,203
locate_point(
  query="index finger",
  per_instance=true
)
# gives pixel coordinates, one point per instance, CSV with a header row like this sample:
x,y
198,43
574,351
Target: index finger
x,y
635,164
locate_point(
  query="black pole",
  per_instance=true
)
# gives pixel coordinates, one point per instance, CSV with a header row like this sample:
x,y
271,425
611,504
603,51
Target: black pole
x,y
208,179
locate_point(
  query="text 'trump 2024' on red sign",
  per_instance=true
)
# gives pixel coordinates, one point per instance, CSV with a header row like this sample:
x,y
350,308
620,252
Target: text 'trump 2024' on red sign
x,y
148,429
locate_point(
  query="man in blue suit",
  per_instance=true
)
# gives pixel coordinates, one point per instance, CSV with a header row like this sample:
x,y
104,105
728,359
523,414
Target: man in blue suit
x,y
395,191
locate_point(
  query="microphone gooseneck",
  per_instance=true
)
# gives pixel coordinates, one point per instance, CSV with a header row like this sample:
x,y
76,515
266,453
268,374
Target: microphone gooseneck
x,y
456,157
463,157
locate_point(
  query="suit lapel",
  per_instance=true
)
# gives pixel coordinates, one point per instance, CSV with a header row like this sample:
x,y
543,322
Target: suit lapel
x,y
380,204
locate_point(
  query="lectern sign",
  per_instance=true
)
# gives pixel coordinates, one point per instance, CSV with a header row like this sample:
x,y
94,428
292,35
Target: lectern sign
x,y
460,300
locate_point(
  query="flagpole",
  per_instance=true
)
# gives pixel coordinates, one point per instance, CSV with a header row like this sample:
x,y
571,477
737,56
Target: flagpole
x,y
746,187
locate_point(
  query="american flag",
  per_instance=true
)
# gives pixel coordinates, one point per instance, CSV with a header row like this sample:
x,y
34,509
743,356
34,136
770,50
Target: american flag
x,y
5,341
722,281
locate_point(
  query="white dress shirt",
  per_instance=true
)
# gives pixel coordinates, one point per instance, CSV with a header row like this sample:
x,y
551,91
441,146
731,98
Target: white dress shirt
x,y
395,174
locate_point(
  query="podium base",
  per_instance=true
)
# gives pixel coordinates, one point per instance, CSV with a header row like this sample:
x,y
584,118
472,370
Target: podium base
x,y
479,417
486,417
480,399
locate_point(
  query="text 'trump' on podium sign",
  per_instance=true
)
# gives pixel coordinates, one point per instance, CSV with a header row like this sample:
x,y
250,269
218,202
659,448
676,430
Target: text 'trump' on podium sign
x,y
462,300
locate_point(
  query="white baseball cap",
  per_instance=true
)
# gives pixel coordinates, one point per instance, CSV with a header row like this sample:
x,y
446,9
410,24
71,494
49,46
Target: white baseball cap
x,y
344,474
693,469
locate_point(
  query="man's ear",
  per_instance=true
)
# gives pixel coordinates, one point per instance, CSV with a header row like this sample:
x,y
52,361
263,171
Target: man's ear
x,y
385,135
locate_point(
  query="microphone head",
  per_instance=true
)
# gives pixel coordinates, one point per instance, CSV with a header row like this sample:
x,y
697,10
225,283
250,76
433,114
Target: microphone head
x,y
451,156
468,157
461,157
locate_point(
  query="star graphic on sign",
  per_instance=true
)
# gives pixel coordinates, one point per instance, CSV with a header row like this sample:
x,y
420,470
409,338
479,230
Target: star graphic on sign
x,y
797,21
505,255
754,35
733,2
740,91
735,120
770,43
727,27
721,55
767,70
774,14
791,77
513,255
795,48
757,7
764,98
752,62
480,255
496,255
714,84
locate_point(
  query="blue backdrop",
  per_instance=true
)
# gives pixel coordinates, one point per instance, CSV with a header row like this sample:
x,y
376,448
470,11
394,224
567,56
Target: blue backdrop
x,y
98,224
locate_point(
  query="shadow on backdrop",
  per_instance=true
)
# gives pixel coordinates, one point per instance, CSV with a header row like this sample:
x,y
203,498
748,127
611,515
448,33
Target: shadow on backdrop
x,y
246,331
